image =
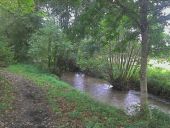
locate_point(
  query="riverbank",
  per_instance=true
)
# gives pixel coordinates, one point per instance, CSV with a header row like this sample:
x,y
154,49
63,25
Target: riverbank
x,y
76,109
158,82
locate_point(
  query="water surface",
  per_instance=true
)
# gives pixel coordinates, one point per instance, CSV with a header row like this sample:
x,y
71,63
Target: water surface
x,y
100,90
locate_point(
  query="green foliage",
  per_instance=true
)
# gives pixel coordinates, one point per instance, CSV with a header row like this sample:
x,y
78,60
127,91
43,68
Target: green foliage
x,y
160,75
159,82
89,58
64,11
19,33
50,48
115,61
107,21
16,30
18,7
6,55
162,48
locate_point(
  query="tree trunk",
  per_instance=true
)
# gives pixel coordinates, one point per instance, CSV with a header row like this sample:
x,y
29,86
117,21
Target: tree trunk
x,y
143,4
49,55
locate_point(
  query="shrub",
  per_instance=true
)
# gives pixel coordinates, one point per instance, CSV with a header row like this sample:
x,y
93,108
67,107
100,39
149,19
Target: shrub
x,y
6,55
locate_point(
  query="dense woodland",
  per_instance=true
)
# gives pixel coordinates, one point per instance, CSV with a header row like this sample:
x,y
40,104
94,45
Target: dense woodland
x,y
110,39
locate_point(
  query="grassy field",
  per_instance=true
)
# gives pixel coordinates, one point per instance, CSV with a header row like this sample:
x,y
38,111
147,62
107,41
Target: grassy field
x,y
76,109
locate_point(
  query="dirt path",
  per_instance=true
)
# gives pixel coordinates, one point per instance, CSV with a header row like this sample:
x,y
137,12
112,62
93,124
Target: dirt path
x,y
31,109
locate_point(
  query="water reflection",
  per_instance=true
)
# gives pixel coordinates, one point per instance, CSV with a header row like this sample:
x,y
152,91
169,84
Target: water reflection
x,y
101,90
79,81
131,101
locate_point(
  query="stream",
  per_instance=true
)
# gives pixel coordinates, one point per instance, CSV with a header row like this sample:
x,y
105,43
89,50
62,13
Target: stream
x,y
100,90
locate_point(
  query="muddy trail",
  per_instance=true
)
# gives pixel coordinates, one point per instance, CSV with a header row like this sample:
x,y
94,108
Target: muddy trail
x,y
30,107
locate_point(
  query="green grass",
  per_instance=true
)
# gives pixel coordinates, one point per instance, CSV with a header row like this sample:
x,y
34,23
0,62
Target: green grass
x,y
6,95
159,81
76,109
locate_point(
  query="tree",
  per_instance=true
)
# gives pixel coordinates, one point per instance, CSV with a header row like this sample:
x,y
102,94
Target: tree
x,y
64,11
146,15
144,27
50,48
19,21
6,56
143,15
17,7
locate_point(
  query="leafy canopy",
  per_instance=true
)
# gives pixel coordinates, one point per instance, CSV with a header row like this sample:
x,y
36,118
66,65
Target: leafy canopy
x,y
18,7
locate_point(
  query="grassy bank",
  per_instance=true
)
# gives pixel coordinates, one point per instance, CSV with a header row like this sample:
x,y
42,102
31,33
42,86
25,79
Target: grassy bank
x,y
76,109
159,82
6,95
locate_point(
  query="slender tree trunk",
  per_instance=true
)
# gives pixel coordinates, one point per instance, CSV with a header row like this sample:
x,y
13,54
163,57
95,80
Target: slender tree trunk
x,y
110,69
49,55
144,52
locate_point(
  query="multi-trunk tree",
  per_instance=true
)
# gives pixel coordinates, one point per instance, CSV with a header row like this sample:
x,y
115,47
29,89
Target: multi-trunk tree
x,y
147,13
143,15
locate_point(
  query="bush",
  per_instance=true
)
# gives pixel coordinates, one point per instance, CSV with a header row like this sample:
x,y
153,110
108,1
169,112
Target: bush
x,y
6,55
49,48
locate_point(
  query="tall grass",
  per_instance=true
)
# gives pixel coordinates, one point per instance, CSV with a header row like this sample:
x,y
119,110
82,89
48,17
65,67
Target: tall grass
x,y
159,77
158,82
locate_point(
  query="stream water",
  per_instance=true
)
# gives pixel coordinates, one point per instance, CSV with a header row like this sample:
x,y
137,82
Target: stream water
x,y
101,91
